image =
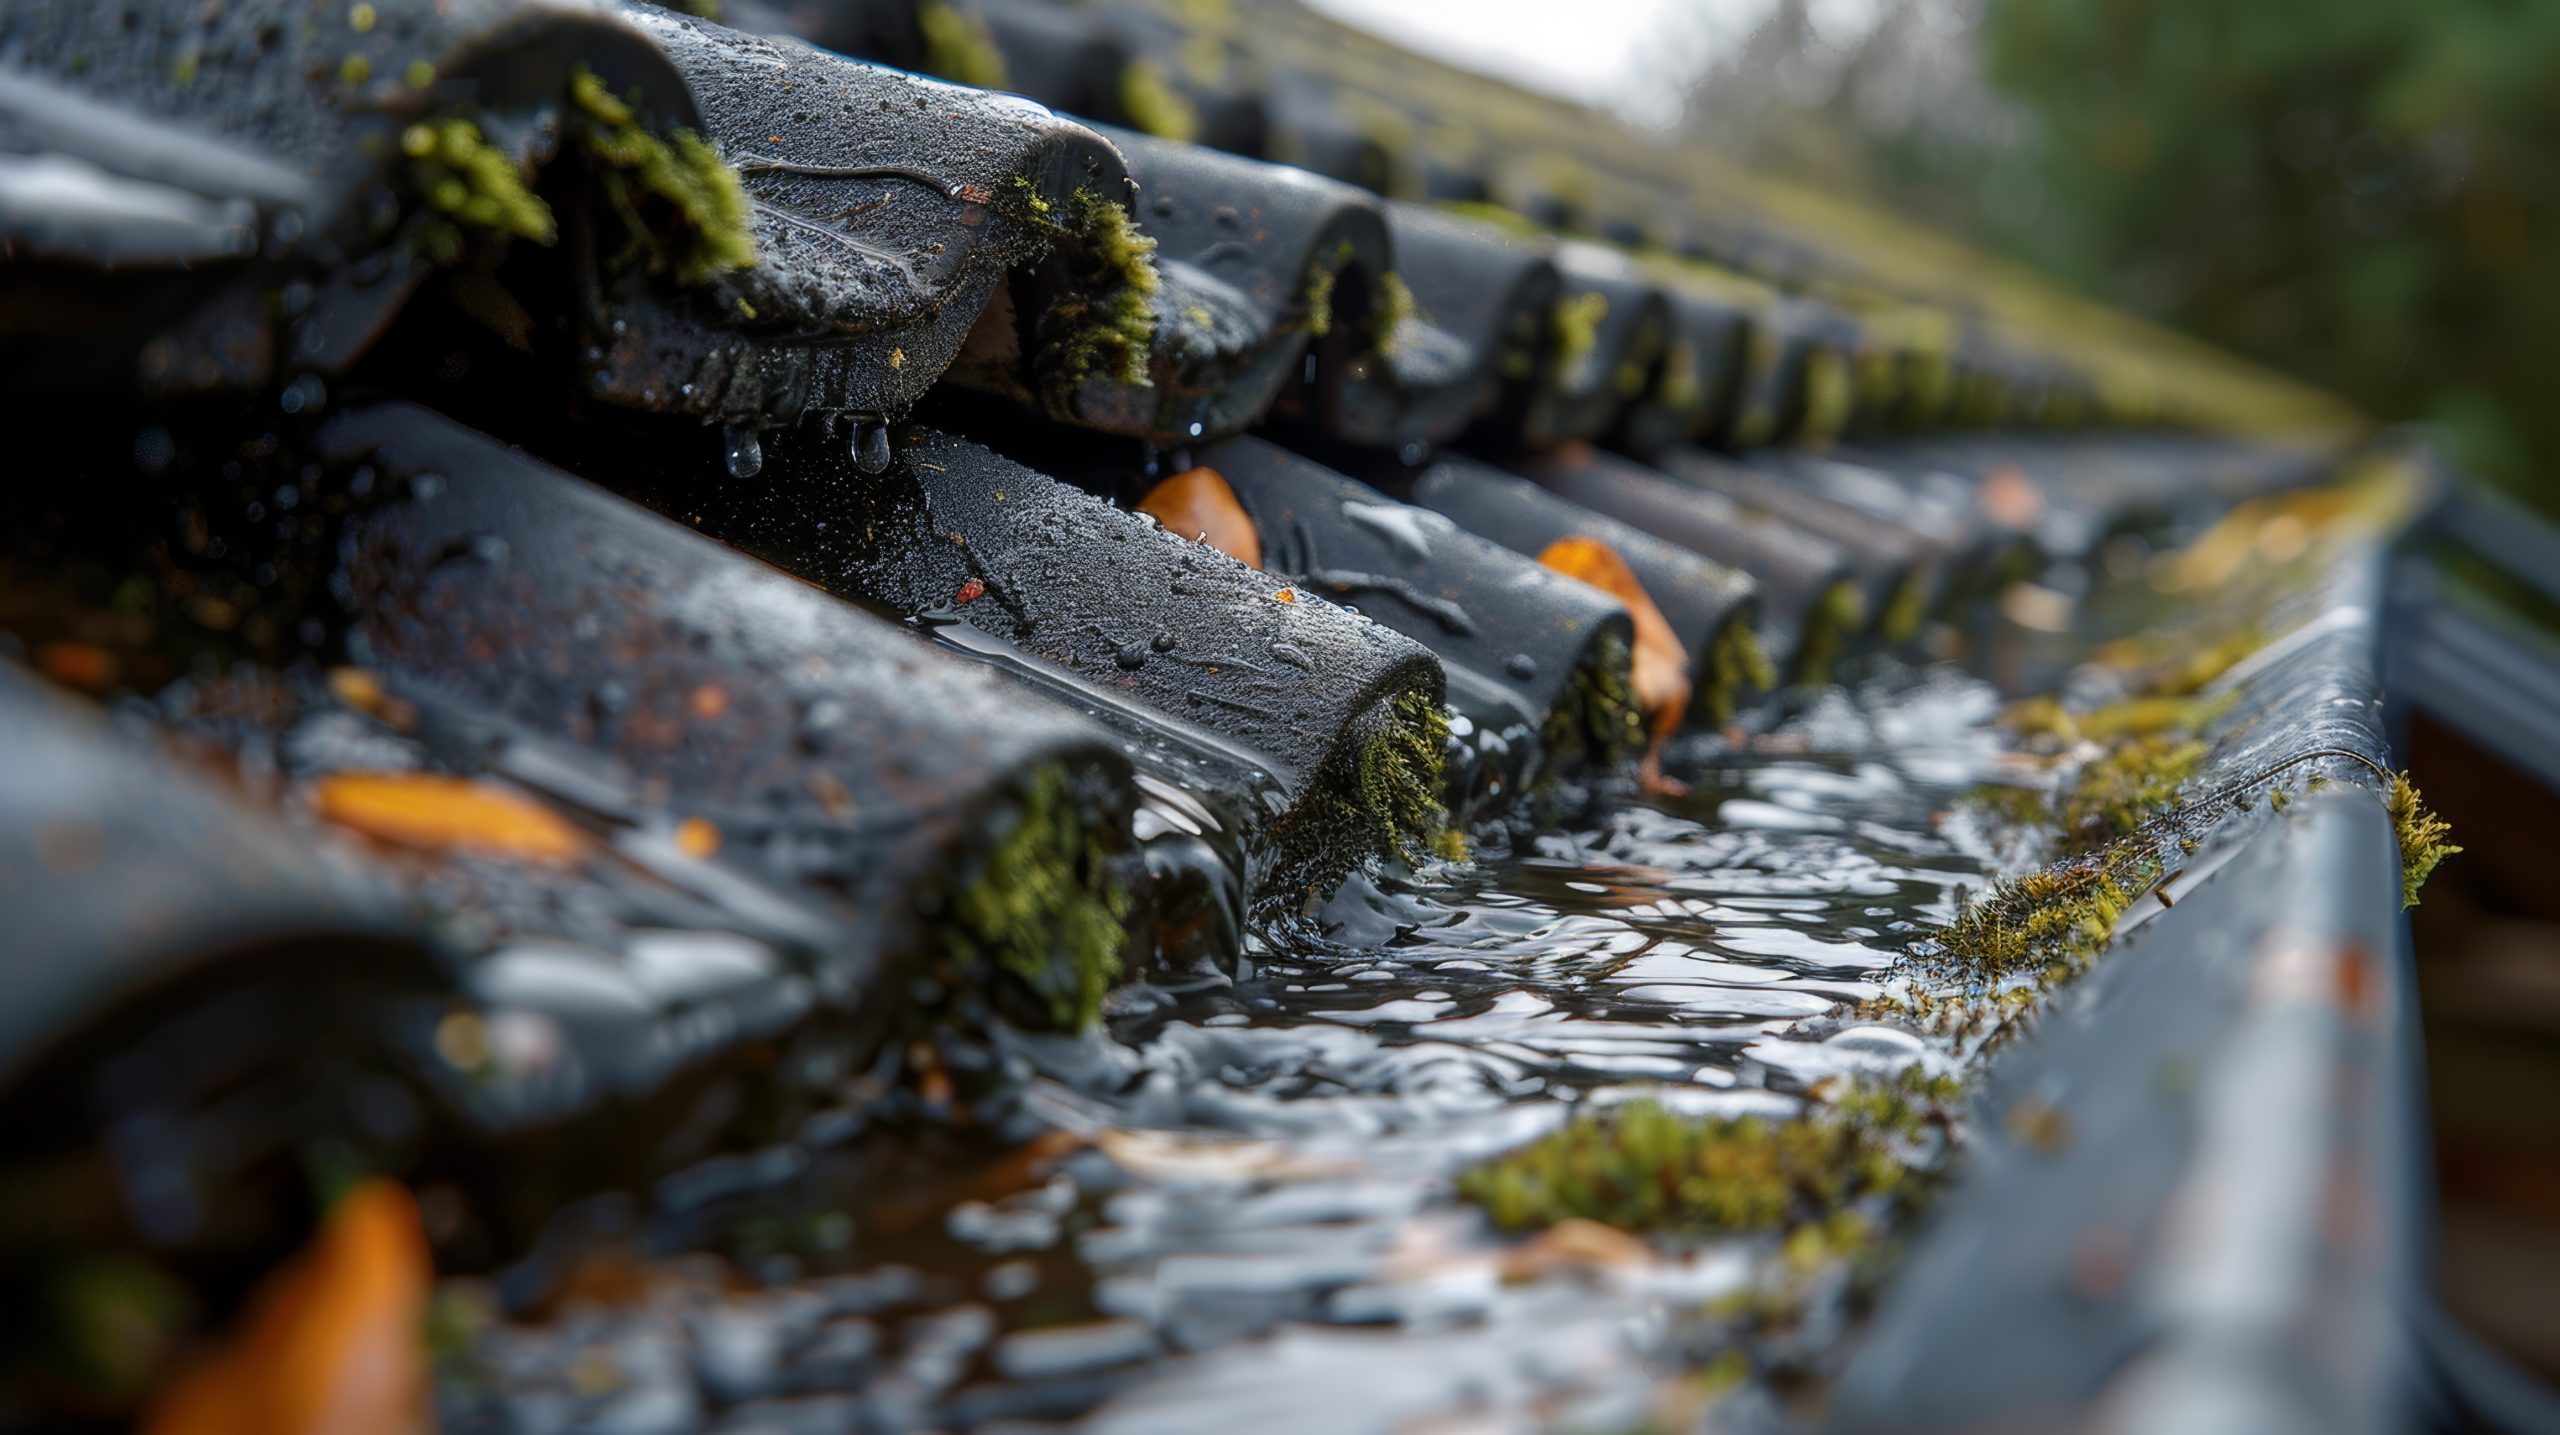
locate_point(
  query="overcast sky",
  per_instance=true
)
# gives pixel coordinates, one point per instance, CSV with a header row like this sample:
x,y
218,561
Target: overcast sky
x,y
1633,56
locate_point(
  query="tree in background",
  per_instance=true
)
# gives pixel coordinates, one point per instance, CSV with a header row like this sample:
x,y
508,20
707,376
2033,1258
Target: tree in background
x,y
2362,192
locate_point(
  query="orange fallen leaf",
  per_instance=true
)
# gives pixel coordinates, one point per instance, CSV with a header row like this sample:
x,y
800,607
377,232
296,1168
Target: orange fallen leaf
x,y
1661,673
332,1343
419,809
1197,503
77,665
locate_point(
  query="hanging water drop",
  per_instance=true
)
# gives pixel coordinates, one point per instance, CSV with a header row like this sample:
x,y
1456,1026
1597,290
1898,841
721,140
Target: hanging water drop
x,y
746,451
870,446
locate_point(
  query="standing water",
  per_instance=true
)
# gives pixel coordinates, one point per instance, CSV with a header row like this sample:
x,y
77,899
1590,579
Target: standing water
x,y
1234,1206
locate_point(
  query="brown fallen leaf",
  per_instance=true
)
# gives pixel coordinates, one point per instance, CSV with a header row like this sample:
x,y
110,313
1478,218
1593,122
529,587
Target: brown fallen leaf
x,y
418,809
1196,503
333,1344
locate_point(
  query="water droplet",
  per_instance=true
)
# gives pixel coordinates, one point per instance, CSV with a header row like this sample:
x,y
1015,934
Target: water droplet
x,y
1133,656
746,451
1162,643
1521,666
870,446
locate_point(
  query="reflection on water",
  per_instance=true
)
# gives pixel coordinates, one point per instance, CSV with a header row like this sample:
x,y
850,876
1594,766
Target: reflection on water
x,y
1233,1207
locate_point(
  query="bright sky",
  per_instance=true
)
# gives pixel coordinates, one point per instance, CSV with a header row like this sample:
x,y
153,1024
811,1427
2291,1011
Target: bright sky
x,y
1626,55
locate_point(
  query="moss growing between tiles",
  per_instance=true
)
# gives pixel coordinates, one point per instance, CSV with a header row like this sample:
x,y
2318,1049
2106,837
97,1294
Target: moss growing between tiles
x,y
1045,908
1577,328
680,170
1736,663
1154,105
1904,611
1319,299
471,184
1102,322
958,48
1836,614
1827,396
1396,308
1643,1168
1399,774
1597,723
2421,835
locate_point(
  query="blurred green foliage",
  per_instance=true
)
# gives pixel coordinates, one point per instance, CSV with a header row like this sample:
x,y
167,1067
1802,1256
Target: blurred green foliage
x,y
2361,192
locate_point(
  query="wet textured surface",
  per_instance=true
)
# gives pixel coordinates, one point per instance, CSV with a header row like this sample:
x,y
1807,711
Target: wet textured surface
x,y
1245,1181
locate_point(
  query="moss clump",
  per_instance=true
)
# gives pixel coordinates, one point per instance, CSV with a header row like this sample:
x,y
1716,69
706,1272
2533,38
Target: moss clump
x,y
1577,327
958,48
1102,320
1399,773
1319,299
1680,387
1836,614
1152,103
1643,1168
1736,663
2125,786
1598,721
1396,308
2134,717
2421,835
1828,393
1045,907
2064,913
679,171
470,184
1903,611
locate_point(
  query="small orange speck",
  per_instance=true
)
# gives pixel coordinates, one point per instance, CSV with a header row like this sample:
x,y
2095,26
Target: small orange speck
x,y
970,591
417,809
1285,595
897,358
363,692
709,701
697,837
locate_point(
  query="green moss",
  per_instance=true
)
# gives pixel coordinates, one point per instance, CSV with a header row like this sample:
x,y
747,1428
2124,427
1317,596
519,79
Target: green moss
x,y
472,185
1643,1168
1597,722
1045,907
1103,320
2064,913
1509,221
1828,394
2421,835
958,48
679,171
1400,772
1577,327
1736,663
2006,805
2125,786
1836,614
2134,717
1152,103
1396,308
2193,672
1904,611
1680,388
1319,297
